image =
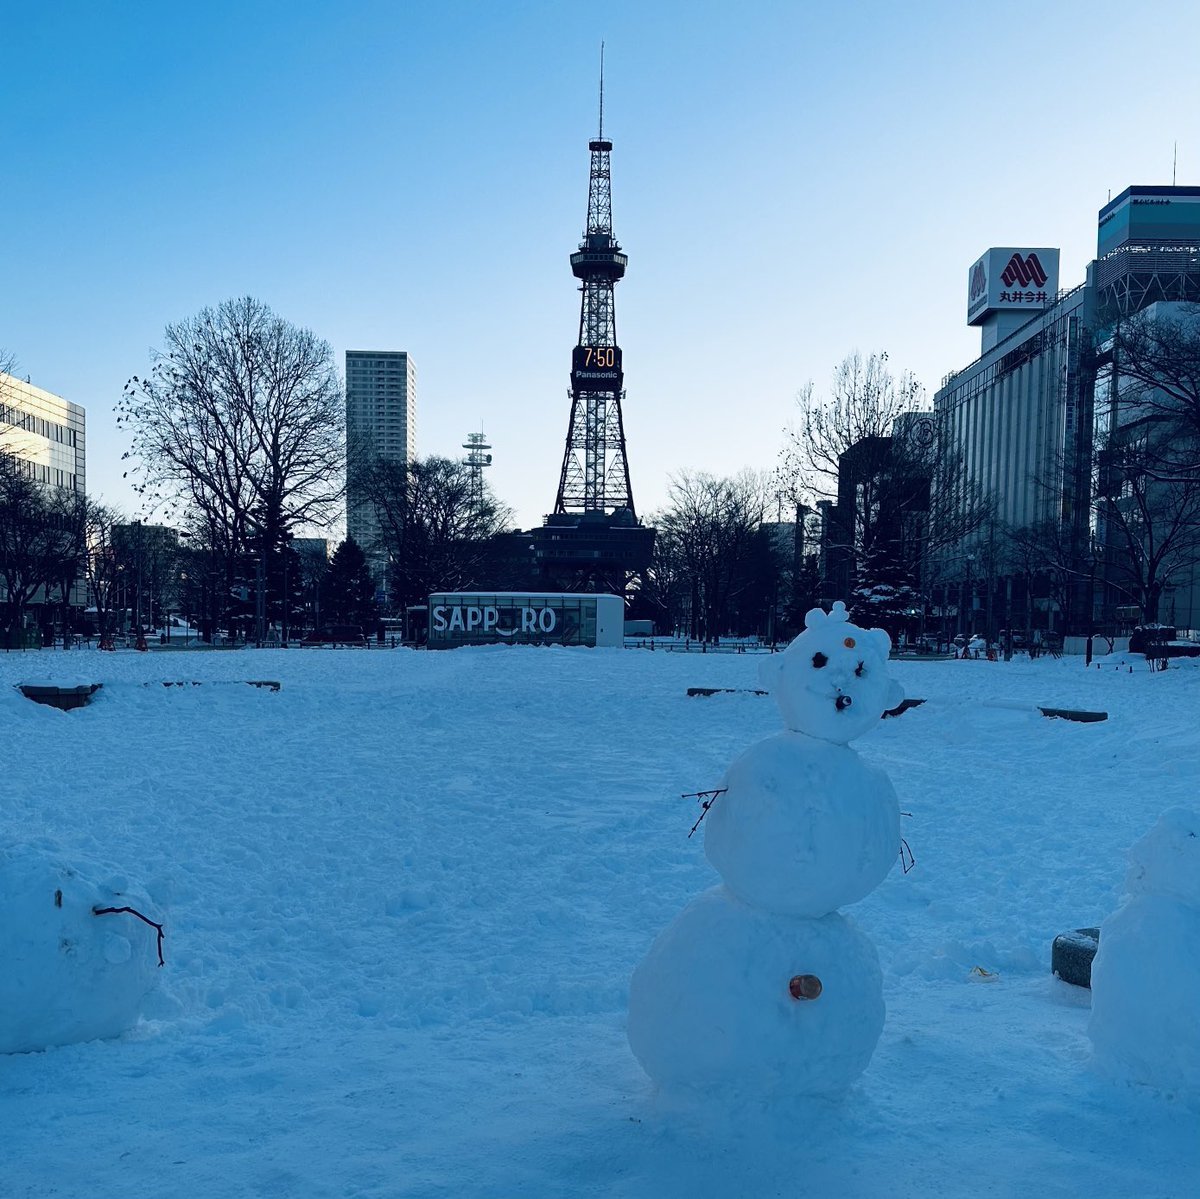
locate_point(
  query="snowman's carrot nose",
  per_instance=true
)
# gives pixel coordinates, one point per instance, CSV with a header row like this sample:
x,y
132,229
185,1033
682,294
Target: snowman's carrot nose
x,y
843,702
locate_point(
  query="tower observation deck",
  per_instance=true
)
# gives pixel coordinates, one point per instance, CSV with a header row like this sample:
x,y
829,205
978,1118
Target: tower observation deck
x,y
593,539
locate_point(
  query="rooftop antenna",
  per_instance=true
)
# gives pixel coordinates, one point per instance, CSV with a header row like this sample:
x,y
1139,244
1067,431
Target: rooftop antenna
x,y
601,136
476,461
1174,160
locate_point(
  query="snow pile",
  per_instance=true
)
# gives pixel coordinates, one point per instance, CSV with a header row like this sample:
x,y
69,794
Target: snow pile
x,y
408,890
69,974
1145,1023
759,985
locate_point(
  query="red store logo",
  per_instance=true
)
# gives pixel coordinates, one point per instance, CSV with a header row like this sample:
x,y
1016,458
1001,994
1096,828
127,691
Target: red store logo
x,y
978,282
1024,271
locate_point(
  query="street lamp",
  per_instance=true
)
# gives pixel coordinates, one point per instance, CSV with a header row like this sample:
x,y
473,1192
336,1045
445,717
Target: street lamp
x,y
969,607
287,543
187,622
1093,558
260,582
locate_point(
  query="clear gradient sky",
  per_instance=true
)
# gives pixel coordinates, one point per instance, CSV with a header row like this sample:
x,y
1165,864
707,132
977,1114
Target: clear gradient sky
x,y
792,181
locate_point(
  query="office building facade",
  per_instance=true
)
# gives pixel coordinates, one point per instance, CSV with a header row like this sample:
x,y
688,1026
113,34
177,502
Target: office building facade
x,y
47,436
1031,416
46,433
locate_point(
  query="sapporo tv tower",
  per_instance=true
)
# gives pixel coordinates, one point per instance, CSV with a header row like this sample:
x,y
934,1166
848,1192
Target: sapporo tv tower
x,y
592,541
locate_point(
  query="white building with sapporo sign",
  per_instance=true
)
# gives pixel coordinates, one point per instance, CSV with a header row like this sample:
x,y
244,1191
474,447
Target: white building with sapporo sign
x,y
525,618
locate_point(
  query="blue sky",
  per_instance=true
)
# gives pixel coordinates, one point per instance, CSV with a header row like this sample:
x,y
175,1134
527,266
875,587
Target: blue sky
x,y
791,181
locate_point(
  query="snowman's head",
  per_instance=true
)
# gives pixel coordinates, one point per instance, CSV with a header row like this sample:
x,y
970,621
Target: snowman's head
x,y
1166,861
832,681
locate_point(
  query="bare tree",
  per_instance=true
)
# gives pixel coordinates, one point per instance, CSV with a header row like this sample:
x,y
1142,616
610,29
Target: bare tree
x,y
710,530
1150,524
101,564
864,400
239,427
39,543
1157,362
902,492
435,526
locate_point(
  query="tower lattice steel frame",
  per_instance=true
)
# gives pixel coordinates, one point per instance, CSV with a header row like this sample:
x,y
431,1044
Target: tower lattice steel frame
x,y
595,471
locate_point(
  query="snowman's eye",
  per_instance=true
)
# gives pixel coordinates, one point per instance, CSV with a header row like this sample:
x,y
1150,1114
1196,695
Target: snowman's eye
x,y
858,671
819,660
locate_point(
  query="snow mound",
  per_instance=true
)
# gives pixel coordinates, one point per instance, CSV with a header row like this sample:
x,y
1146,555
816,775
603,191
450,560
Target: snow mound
x,y
710,1008
68,974
1146,975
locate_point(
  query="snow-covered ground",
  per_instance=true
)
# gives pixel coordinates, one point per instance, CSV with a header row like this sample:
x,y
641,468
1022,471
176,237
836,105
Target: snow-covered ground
x,y
404,896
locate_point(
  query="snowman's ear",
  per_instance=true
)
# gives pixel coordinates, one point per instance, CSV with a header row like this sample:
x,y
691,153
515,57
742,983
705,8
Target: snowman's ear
x,y
881,641
895,695
769,671
814,618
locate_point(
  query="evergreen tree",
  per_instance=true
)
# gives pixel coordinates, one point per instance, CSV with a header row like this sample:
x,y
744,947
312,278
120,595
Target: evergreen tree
x,y
885,597
348,593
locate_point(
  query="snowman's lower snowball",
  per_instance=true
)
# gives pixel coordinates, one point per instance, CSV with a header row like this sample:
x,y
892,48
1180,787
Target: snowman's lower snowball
x,y
710,1006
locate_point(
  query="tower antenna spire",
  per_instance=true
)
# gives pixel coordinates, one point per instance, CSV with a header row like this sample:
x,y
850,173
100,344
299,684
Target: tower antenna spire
x,y
601,134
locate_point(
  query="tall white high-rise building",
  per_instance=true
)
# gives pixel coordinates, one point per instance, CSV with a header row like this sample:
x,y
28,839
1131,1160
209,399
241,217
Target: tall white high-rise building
x,y
381,419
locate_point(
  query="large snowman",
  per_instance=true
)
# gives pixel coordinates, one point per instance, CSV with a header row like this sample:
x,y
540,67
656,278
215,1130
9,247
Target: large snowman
x,y
1146,976
760,985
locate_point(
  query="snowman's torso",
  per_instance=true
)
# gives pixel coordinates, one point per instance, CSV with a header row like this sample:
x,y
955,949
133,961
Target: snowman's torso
x,y
804,827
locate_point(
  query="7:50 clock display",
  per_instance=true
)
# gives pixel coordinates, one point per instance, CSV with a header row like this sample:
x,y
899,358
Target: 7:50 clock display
x,y
596,367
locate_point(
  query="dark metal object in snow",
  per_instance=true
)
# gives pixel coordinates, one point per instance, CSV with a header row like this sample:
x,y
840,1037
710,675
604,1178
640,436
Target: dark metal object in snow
x,y
146,919
706,798
64,698
1072,953
270,684
725,691
1076,714
805,986
1073,714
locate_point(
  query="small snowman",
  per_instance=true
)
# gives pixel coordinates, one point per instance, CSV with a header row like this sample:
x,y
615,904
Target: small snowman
x,y
77,958
1145,1022
760,985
